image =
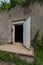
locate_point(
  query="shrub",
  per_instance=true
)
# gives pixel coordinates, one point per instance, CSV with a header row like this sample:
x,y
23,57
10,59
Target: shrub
x,y
4,5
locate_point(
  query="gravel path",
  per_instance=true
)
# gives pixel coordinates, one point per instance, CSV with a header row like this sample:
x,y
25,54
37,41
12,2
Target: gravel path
x,y
6,63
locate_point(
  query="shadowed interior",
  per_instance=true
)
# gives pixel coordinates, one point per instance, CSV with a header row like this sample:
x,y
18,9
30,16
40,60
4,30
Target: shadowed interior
x,y
19,33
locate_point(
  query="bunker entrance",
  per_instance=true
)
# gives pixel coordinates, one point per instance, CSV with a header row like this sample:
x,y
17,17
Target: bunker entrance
x,y
19,33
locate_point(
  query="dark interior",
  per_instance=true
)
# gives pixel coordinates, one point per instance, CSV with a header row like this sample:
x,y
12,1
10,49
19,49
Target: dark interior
x,y
19,33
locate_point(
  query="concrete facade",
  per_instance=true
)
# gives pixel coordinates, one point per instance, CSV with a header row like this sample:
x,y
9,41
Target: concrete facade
x,y
18,13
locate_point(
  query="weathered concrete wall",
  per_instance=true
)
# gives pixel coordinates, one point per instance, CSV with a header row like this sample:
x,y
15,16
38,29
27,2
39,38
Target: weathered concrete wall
x,y
16,13
37,19
6,18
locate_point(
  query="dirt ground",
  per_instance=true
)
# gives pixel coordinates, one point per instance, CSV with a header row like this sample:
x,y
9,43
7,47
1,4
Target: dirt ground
x,y
6,63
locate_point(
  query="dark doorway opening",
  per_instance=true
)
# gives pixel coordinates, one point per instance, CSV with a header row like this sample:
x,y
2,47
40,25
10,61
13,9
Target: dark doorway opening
x,y
19,33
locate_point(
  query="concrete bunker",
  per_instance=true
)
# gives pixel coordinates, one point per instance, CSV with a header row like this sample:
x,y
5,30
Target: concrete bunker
x,y
22,32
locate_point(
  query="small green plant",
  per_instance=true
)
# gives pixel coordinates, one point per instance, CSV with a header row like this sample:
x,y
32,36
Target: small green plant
x,y
41,43
36,40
